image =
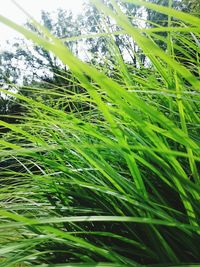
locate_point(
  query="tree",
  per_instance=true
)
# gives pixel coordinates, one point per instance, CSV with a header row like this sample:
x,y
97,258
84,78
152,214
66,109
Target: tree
x,y
29,64
25,64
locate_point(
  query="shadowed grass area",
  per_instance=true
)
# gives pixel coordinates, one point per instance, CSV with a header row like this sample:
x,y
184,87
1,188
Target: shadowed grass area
x,y
116,183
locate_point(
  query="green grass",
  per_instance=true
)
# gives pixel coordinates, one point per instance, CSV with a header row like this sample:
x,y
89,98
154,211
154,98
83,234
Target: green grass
x,y
117,184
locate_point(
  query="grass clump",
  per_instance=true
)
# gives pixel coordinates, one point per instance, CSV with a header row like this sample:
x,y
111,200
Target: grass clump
x,y
116,183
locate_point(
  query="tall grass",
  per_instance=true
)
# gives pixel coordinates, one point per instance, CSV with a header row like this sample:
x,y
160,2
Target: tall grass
x,y
116,184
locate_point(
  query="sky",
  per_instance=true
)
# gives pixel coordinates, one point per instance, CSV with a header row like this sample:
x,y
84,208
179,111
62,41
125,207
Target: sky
x,y
33,7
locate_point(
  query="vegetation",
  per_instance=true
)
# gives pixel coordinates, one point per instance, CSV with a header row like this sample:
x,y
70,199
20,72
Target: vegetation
x,y
101,165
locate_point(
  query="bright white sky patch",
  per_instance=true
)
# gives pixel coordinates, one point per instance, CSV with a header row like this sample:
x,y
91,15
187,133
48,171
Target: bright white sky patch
x,y
33,7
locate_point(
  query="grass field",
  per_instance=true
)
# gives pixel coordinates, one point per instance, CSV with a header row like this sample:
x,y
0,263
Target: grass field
x,y
116,184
